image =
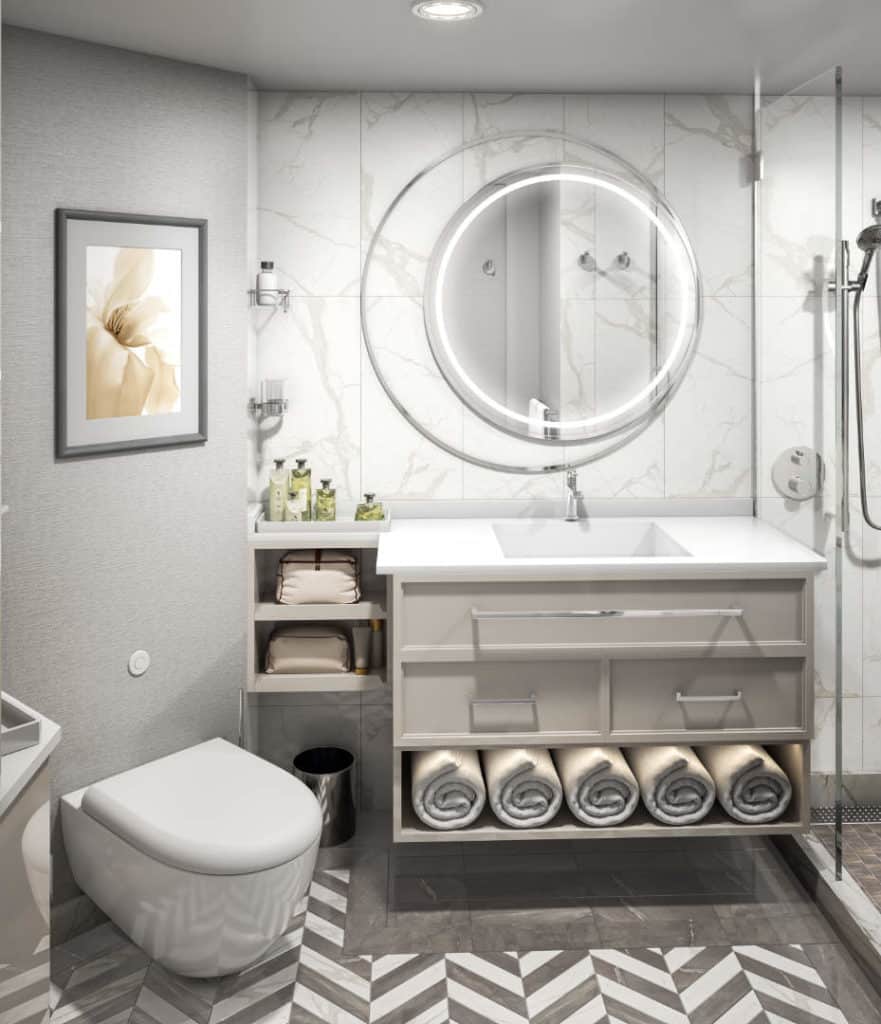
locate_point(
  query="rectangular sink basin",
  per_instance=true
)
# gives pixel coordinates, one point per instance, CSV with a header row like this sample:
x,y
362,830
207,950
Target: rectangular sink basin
x,y
597,538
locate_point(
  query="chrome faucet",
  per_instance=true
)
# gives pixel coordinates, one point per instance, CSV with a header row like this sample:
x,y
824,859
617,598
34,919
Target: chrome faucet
x,y
573,496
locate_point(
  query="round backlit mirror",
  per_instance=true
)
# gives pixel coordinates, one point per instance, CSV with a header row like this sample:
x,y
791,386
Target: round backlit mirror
x,y
529,301
562,303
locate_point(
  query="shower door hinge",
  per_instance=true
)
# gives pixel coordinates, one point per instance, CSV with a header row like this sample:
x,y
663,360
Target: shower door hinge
x,y
757,159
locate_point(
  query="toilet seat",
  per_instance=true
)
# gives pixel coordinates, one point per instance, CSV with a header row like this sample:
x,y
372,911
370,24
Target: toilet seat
x,y
212,809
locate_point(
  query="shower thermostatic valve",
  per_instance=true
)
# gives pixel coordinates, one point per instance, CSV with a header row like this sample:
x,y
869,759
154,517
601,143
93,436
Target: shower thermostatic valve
x,y
798,473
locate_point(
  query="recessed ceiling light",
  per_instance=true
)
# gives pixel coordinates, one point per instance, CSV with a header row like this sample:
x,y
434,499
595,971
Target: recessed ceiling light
x,y
447,10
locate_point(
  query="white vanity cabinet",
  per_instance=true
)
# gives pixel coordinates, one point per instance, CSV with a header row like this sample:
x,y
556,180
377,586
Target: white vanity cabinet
x,y
493,656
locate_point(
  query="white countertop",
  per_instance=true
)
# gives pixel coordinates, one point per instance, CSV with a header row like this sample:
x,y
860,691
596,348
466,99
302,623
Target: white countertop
x,y
436,547
17,770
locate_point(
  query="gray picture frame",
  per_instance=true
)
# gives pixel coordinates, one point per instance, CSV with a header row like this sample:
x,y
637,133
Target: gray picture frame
x,y
65,447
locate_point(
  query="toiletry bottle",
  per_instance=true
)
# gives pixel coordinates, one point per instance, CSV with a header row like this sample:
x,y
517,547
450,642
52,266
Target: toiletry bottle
x,y
377,644
325,503
267,284
370,510
278,492
361,648
299,503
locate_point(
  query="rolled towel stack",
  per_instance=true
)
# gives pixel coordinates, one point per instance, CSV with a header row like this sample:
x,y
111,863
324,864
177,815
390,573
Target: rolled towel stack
x,y
751,786
523,786
447,787
676,788
598,784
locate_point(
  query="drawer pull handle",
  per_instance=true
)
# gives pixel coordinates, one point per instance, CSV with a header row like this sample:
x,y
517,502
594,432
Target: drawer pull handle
x,y
616,613
504,700
722,698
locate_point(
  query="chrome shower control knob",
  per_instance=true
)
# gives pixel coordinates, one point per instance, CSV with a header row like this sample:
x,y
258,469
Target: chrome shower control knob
x,y
798,473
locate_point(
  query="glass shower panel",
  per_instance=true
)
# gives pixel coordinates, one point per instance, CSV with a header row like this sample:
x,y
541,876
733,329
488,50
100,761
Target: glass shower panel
x,y
798,218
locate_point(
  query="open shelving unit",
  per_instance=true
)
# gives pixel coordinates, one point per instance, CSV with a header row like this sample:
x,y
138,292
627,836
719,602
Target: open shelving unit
x,y
265,550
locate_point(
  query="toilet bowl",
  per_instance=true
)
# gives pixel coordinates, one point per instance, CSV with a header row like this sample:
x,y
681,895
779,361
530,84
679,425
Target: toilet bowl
x,y
200,857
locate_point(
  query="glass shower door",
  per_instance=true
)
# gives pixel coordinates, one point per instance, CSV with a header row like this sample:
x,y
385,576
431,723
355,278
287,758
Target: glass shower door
x,y
798,356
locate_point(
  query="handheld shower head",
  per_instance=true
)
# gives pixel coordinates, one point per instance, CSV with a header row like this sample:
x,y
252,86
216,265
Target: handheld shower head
x,y
869,239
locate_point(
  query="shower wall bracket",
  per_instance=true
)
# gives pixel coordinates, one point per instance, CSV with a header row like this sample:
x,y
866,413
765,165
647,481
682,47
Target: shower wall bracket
x,y
798,473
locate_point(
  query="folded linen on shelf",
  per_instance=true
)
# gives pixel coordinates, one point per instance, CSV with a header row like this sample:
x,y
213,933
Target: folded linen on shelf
x,y
598,784
523,786
447,787
751,786
304,649
675,786
317,577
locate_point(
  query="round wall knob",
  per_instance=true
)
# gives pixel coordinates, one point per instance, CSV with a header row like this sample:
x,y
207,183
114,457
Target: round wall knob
x,y
138,663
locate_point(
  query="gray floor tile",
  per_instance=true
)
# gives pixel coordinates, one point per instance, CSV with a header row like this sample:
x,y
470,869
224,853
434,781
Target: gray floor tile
x,y
772,923
658,923
549,928
859,1001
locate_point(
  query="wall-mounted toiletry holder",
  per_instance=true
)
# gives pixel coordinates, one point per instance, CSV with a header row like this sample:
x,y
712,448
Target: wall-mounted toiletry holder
x,y
280,298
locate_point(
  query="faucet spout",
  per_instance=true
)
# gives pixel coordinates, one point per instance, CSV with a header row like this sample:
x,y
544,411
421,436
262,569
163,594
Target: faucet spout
x,y
573,495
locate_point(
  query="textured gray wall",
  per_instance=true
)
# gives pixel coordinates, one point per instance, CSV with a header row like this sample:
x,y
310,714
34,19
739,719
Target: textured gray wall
x,y
105,555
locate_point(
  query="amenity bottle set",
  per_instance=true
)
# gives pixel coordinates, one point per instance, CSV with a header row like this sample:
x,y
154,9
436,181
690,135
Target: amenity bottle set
x,y
290,498
601,785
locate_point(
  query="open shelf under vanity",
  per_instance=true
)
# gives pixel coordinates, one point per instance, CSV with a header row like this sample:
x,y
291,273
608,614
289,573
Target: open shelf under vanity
x,y
792,757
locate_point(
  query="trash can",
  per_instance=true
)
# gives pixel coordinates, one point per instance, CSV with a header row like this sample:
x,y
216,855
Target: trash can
x,y
327,771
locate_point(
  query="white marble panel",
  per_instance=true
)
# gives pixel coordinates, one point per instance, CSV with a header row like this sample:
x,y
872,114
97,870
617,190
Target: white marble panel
x,y
871,738
485,442
398,461
707,175
490,114
632,126
623,340
634,469
310,190
315,348
708,424
401,134
823,746
871,608
796,395
798,194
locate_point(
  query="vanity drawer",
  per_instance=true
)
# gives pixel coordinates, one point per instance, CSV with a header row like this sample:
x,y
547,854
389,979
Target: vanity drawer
x,y
490,699
723,695
481,617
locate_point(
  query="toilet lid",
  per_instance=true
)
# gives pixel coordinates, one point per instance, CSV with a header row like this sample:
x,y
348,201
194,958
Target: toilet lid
x,y
212,809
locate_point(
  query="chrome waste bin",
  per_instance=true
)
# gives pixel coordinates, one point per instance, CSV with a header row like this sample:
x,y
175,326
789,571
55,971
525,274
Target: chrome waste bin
x,y
327,771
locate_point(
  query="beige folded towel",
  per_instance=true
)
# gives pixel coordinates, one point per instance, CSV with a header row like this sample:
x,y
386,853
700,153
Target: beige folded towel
x,y
303,649
751,786
676,788
598,784
317,577
447,787
523,786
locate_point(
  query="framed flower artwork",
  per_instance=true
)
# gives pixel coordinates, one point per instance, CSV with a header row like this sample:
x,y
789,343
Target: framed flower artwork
x,y
130,367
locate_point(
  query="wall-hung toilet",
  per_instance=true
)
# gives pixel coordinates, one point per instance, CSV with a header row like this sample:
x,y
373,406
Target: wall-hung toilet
x,y
199,857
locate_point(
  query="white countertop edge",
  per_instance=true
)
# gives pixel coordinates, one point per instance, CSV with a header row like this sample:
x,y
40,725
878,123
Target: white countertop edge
x,y
718,545
17,769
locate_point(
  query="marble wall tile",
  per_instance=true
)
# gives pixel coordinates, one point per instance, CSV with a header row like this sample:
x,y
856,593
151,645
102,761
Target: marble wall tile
x,y
397,460
823,747
316,349
629,125
490,114
871,738
871,610
401,134
708,141
714,461
796,396
376,757
578,358
309,191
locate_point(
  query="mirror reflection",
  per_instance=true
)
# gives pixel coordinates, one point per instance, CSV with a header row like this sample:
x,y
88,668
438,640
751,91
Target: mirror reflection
x,y
561,303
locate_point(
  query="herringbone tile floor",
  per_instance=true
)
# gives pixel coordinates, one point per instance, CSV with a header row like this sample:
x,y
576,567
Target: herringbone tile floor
x,y
101,978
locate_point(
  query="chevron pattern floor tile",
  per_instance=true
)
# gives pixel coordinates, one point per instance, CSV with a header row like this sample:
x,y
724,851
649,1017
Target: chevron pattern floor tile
x,y
308,978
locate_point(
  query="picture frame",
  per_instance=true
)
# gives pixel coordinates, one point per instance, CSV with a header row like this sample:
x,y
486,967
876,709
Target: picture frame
x,y
130,332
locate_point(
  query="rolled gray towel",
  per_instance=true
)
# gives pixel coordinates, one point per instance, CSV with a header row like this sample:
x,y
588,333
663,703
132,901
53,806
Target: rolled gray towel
x,y
750,784
676,788
447,787
598,784
523,786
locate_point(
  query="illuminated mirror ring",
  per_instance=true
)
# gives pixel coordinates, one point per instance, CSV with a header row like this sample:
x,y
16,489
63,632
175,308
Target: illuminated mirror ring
x,y
574,442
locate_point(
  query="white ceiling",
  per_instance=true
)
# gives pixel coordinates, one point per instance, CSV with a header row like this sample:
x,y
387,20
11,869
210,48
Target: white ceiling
x,y
518,45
